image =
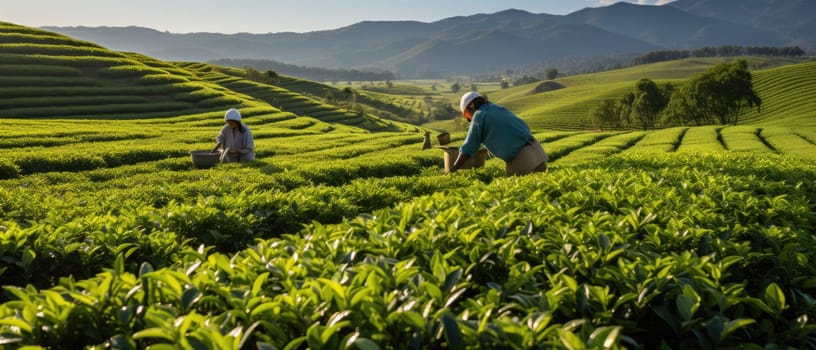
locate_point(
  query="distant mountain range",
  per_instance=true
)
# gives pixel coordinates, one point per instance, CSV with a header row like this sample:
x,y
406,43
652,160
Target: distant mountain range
x,y
490,42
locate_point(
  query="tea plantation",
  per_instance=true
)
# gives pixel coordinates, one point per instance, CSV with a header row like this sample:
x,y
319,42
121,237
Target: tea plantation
x,y
345,234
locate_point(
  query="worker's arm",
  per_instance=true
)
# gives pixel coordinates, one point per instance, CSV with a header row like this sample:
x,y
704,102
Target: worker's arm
x,y
461,159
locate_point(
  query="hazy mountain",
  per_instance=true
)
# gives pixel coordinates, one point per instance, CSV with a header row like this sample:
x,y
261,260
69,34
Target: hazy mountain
x,y
488,42
498,50
792,19
672,27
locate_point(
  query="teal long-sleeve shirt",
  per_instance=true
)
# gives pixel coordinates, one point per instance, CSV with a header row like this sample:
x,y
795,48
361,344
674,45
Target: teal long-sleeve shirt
x,y
499,130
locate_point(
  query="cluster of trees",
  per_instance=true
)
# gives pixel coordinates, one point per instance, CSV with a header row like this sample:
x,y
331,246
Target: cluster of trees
x,y
719,51
522,80
268,77
515,78
718,95
310,73
440,110
422,111
456,87
347,97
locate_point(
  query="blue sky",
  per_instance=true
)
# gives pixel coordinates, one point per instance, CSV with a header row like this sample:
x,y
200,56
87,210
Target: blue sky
x,y
263,16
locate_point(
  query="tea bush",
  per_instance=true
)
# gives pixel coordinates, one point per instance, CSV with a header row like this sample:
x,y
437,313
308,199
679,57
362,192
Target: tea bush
x,y
626,252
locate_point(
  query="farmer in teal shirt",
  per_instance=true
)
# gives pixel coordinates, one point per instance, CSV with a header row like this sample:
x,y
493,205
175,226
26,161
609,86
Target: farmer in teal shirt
x,y
503,134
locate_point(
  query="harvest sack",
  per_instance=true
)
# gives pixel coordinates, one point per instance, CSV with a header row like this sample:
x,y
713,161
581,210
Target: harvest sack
x,y
530,158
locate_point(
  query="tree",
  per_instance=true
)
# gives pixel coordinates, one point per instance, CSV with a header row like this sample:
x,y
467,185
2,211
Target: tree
x,y
350,95
606,114
648,103
252,74
526,79
725,90
428,101
623,107
441,110
330,97
717,95
683,109
551,73
272,77
456,87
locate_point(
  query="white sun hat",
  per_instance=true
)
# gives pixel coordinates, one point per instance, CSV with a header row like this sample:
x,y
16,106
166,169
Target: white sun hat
x,y
467,99
232,114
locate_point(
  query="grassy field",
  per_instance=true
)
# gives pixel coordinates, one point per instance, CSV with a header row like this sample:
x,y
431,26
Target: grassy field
x,y
566,103
345,234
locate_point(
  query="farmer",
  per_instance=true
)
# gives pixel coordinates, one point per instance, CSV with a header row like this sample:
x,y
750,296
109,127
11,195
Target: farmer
x,y
503,134
235,139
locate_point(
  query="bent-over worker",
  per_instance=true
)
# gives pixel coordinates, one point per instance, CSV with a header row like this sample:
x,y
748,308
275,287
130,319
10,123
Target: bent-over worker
x,y
504,134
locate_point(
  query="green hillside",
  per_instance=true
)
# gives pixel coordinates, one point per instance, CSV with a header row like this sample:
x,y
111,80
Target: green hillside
x,y
566,102
49,75
345,233
52,76
283,99
391,105
788,96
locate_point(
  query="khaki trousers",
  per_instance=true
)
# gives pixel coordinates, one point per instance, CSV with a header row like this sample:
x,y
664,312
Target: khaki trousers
x,y
531,158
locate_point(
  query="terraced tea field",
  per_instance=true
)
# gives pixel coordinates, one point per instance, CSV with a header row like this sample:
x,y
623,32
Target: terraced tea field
x,y
345,234
786,93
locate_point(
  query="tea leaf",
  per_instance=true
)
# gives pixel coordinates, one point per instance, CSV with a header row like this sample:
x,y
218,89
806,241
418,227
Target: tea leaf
x,y
189,297
258,284
366,344
775,298
412,318
153,333
604,337
570,340
734,325
15,322
453,335
687,303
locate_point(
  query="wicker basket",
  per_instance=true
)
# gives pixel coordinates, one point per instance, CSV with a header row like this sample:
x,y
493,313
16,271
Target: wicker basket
x,y
451,153
443,138
204,158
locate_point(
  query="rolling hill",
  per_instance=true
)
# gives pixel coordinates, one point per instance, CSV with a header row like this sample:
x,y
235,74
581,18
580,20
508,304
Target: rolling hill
x,y
50,75
785,92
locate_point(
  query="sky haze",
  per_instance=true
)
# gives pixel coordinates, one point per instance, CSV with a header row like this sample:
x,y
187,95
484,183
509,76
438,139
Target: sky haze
x,y
262,16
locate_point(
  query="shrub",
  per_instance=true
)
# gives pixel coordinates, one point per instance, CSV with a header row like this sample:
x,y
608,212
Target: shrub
x,y
128,71
59,162
38,70
58,50
135,156
157,79
8,170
